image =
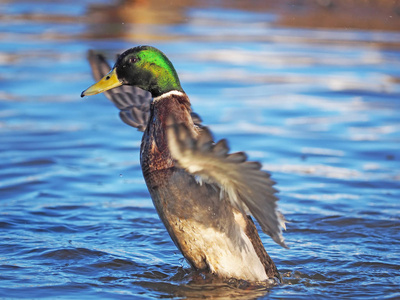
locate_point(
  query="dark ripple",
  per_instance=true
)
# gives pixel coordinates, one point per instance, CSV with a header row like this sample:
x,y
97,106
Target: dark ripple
x,y
46,194
46,213
5,224
377,266
116,264
70,254
57,229
35,162
67,208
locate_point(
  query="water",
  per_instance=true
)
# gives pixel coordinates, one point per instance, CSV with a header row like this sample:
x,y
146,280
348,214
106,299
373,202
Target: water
x,y
318,107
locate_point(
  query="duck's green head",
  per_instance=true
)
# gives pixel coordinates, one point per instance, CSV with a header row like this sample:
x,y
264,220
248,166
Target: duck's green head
x,y
145,67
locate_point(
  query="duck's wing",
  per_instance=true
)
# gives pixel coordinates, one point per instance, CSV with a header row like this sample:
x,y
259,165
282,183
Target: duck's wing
x,y
248,187
133,102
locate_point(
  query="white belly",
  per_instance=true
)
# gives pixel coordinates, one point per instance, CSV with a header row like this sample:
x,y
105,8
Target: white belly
x,y
224,257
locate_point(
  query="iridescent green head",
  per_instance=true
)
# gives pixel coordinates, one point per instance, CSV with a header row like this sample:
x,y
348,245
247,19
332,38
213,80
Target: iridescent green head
x,y
145,67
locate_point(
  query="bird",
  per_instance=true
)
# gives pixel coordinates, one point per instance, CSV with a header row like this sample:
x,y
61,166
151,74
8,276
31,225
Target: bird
x,y
205,196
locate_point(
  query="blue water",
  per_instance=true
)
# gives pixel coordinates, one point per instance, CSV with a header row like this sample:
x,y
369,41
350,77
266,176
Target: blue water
x,y
319,109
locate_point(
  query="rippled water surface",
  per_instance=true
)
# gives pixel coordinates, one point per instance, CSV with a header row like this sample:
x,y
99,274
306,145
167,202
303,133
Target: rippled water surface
x,y
319,107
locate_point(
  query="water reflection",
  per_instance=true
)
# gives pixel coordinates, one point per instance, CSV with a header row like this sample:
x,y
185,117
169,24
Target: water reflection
x,y
202,286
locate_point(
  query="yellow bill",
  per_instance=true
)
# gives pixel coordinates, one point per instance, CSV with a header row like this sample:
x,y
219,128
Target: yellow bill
x,y
108,82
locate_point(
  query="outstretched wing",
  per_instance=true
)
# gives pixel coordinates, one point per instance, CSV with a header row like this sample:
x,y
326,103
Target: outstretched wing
x,y
248,187
133,102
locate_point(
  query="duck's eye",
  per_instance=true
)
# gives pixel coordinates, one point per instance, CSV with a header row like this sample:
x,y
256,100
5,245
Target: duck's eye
x,y
132,60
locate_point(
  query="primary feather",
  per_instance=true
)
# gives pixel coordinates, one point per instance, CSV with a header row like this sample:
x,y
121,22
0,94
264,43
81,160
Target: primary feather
x,y
248,187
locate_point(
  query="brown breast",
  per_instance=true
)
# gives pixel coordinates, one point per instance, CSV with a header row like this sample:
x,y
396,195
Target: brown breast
x,y
154,154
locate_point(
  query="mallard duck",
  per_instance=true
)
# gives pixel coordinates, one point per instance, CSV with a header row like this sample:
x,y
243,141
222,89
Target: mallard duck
x,y
204,196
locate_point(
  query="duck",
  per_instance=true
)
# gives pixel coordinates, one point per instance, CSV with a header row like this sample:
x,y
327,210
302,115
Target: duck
x,y
206,196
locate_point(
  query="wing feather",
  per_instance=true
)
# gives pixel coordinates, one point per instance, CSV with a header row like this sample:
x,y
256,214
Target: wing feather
x,y
133,102
248,187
